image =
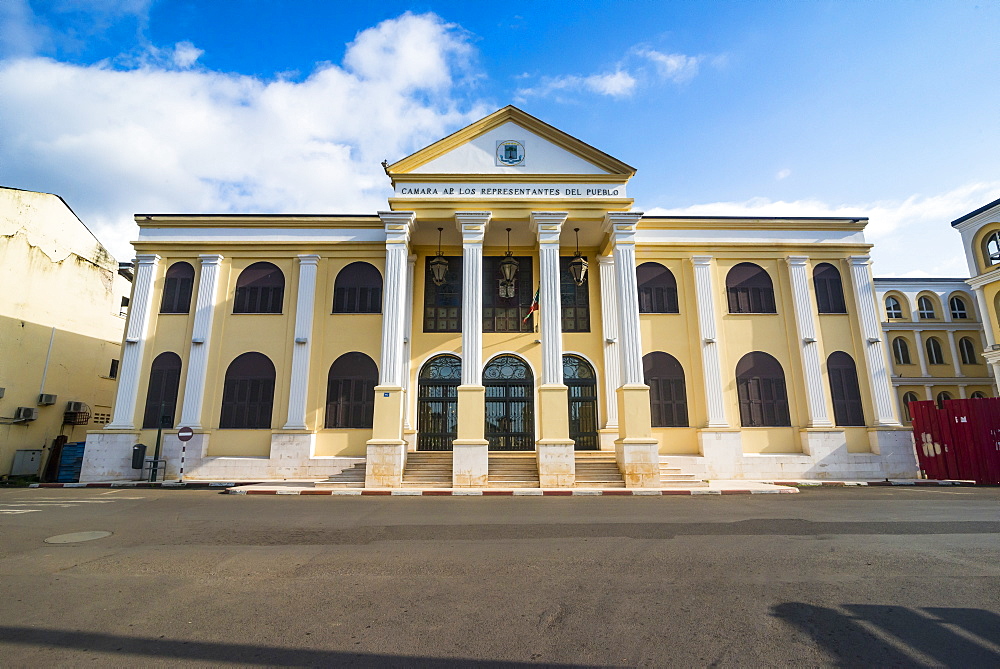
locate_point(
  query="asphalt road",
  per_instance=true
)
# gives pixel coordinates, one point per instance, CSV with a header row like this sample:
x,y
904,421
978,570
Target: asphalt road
x,y
828,577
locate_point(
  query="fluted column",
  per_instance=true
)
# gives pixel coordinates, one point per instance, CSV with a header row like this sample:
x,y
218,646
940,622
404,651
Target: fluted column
x,y
470,449
984,316
556,459
411,263
136,332
472,225
301,347
201,334
871,331
708,331
609,327
805,321
636,450
921,352
956,360
387,449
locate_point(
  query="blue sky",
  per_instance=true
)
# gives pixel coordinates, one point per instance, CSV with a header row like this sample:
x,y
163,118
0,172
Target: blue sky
x,y
885,109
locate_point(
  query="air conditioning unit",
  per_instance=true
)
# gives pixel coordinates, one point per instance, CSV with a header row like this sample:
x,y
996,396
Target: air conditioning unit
x,y
75,407
45,399
26,413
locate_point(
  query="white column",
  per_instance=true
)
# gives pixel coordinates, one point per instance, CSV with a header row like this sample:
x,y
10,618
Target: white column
x,y
805,321
548,226
622,226
609,327
472,225
956,360
411,263
984,314
301,347
197,367
707,329
136,331
962,394
871,331
929,392
397,230
921,352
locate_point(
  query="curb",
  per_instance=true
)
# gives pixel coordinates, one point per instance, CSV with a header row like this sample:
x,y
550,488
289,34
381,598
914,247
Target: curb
x,y
517,492
170,485
841,484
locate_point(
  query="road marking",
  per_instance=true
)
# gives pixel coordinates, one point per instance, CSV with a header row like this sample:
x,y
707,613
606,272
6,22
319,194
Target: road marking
x,y
13,512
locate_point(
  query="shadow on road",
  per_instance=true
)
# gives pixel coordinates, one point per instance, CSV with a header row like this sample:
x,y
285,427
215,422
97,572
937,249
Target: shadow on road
x,y
874,635
225,653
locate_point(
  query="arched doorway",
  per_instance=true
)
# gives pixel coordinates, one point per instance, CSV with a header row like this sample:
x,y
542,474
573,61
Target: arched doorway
x,y
437,403
581,381
510,406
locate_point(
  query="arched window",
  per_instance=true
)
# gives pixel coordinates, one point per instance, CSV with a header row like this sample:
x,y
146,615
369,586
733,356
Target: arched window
x,y
978,395
958,309
968,351
991,249
760,383
749,290
900,351
847,408
248,393
829,289
934,354
350,391
657,289
893,309
667,393
161,393
259,290
177,287
925,308
942,397
907,398
358,290
437,403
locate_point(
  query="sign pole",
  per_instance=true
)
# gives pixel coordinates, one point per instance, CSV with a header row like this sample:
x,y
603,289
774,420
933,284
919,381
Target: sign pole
x,y
184,434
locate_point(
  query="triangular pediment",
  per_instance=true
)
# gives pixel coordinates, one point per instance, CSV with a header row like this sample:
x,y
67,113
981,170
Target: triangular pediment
x,y
509,144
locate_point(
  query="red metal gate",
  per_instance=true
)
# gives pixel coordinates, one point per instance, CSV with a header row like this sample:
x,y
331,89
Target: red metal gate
x,y
960,440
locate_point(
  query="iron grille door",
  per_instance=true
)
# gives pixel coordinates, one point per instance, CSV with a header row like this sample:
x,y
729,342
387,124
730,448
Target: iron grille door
x,y
581,382
510,410
437,403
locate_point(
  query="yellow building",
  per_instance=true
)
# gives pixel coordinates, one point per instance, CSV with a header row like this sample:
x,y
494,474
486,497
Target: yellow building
x,y
980,230
295,346
934,333
61,320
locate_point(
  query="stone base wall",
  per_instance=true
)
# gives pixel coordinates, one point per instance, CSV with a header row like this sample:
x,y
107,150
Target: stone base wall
x,y
108,457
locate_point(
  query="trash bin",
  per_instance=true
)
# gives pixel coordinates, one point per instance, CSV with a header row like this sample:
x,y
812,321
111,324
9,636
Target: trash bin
x,y
138,456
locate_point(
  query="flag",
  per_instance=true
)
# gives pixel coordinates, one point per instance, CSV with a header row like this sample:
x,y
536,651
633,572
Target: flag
x,y
533,308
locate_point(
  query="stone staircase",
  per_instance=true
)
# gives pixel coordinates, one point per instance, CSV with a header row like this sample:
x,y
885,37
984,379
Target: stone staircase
x,y
674,477
513,470
427,469
597,469
352,477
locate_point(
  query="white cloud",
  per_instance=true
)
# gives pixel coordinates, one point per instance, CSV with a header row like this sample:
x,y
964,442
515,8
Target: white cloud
x,y
641,66
167,136
909,233
674,67
783,174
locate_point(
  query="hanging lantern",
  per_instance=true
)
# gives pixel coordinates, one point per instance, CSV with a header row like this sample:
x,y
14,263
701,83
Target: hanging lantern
x,y
578,265
439,265
508,271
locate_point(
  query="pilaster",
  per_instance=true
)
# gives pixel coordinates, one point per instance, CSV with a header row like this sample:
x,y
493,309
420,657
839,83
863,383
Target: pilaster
x,y
707,329
956,360
302,342
871,331
411,263
609,328
805,321
921,352
136,333
201,334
